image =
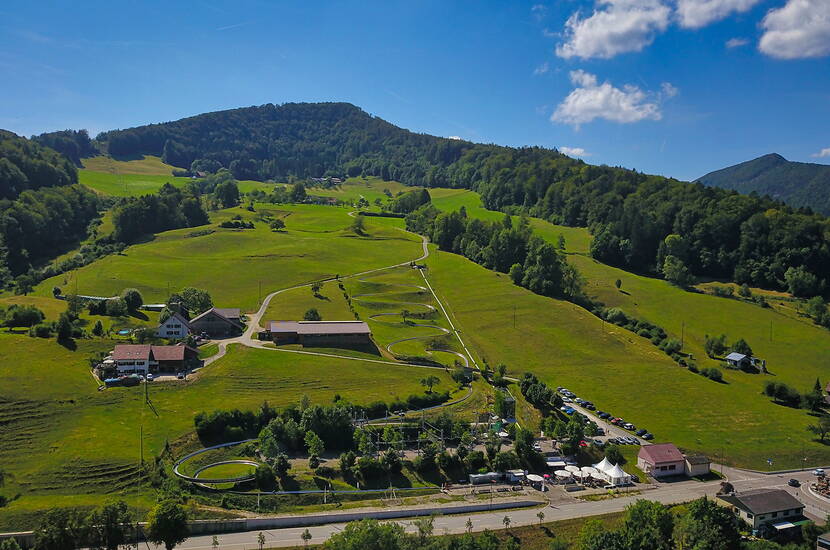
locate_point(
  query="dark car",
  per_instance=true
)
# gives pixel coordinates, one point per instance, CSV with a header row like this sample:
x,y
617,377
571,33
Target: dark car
x,y
648,436
589,406
641,432
793,482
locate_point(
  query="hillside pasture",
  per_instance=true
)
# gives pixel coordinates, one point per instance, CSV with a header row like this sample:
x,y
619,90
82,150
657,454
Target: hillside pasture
x,y
232,264
732,420
78,441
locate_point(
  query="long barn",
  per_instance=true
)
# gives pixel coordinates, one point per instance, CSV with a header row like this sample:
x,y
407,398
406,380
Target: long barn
x,y
319,333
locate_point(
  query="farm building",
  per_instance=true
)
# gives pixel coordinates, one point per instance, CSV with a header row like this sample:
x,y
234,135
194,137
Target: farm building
x,y
319,333
215,323
144,358
175,327
766,508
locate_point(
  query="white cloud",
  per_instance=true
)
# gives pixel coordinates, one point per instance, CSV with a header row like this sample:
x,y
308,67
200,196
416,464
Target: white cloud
x,y
668,90
542,69
615,27
736,42
574,151
591,100
538,11
799,29
694,14
823,153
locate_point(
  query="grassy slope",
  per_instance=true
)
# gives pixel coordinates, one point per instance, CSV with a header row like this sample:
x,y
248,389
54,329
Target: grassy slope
x,y
715,418
230,264
79,441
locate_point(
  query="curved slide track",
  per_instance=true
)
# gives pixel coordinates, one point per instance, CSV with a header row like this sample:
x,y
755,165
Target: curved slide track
x,y
385,298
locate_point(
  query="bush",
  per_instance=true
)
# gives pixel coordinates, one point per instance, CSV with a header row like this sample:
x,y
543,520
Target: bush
x,y
326,471
693,367
41,330
714,374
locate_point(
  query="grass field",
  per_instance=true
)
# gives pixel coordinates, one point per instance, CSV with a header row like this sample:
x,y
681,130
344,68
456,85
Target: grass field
x,y
78,441
732,420
352,189
232,264
148,166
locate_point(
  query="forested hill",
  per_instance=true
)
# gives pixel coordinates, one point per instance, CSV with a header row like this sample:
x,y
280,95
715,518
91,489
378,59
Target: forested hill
x,y
295,139
24,165
42,207
796,183
638,220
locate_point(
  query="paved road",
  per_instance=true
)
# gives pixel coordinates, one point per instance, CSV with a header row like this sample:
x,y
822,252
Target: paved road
x,y
667,493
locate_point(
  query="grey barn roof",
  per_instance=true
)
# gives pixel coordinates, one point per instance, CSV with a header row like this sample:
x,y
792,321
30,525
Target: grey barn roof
x,y
318,327
763,501
735,356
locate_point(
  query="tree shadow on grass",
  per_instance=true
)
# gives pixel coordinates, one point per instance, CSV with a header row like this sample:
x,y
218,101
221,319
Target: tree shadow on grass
x,y
139,315
69,344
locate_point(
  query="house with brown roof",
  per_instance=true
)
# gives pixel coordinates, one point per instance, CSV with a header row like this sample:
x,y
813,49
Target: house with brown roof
x,y
662,459
319,333
144,358
214,323
766,508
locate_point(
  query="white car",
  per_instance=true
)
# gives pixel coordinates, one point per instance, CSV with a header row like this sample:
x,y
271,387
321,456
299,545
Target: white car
x,y
818,472
566,400
149,377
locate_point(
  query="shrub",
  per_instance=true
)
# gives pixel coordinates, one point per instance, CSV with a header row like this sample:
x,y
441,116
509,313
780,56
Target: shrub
x,y
693,367
41,330
326,471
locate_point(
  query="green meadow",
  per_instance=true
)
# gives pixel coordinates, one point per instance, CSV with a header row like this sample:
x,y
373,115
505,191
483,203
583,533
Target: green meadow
x,y
233,265
732,420
65,440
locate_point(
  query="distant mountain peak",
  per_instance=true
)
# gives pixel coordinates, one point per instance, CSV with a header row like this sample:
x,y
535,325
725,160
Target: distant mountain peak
x,y
800,184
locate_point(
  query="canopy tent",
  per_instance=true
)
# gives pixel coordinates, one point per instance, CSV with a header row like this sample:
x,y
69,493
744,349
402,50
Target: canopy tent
x,y
617,476
534,478
562,473
604,465
589,470
598,476
572,469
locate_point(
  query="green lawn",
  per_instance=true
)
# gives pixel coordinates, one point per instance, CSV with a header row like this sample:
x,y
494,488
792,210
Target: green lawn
x,y
64,439
352,189
625,373
232,264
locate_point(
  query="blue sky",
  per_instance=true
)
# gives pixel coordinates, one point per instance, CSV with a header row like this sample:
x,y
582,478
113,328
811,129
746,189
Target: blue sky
x,y
654,85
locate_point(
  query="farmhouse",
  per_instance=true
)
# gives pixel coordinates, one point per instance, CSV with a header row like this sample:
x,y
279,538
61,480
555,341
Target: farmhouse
x,y
319,333
176,326
660,460
215,323
770,508
144,358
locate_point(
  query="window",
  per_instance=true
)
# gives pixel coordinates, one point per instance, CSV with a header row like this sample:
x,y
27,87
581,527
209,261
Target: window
x,y
786,512
775,514
749,516
672,467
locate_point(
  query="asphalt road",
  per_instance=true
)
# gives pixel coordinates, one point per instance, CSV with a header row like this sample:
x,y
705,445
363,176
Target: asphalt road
x,y
667,493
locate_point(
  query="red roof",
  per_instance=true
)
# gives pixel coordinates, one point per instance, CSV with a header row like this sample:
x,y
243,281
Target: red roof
x,y
125,352
171,353
660,453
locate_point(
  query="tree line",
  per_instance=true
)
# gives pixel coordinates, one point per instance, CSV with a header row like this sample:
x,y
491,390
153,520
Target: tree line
x,y
720,233
530,260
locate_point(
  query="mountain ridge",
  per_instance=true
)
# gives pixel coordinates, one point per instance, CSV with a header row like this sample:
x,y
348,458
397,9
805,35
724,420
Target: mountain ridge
x,y
799,184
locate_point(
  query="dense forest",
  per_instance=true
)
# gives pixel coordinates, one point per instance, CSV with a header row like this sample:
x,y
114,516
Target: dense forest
x,y
796,183
170,208
42,207
73,144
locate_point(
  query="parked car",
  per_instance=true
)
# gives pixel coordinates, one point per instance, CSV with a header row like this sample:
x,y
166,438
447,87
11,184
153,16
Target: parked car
x,y
629,426
583,443
599,442
599,431
589,406
818,472
563,408
616,421
149,377
566,400
180,376
537,446
641,432
793,482
648,436
604,415
635,478
570,411
600,413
